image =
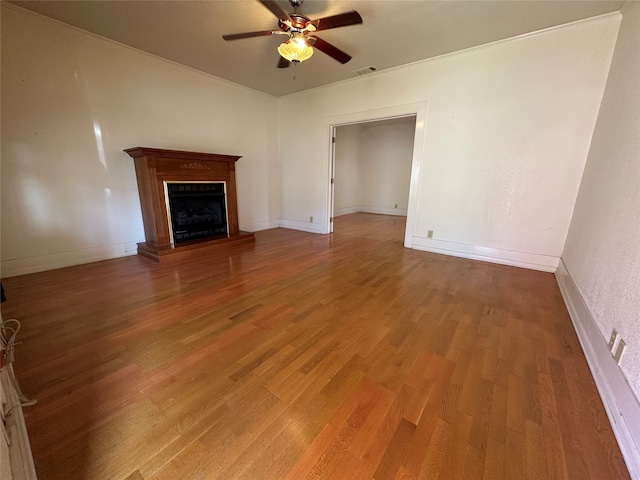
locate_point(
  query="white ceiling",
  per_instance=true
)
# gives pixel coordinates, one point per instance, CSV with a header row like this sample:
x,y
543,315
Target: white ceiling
x,y
393,33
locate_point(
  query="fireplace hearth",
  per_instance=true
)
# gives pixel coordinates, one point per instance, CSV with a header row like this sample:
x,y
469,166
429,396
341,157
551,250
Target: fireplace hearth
x,y
188,202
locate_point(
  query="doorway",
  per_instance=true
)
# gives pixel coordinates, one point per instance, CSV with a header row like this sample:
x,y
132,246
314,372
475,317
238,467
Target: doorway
x,y
379,125
372,167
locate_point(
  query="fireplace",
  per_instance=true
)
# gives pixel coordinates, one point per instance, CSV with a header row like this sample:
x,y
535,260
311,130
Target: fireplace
x,y
188,202
196,210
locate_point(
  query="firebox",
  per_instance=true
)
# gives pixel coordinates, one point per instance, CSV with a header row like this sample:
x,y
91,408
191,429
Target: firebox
x,y
196,210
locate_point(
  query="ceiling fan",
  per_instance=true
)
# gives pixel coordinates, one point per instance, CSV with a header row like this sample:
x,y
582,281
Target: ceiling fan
x,y
300,30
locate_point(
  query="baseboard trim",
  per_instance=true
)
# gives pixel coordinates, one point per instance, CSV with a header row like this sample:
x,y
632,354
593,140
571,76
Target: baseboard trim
x,y
532,261
400,212
261,225
620,403
51,261
300,225
338,212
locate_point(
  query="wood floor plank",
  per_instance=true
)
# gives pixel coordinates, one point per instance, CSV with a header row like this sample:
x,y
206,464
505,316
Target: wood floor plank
x,y
307,356
434,462
457,447
378,446
494,462
393,456
313,453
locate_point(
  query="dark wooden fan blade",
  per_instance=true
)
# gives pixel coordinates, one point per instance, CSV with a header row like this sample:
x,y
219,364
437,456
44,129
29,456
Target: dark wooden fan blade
x,y
283,62
326,47
275,9
238,36
335,21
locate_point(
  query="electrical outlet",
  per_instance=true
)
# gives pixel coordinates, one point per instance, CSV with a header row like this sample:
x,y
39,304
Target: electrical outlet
x,y
311,219
429,233
612,339
619,351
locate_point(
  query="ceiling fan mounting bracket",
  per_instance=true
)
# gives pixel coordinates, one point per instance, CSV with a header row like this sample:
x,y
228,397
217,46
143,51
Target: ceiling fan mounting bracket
x,y
295,3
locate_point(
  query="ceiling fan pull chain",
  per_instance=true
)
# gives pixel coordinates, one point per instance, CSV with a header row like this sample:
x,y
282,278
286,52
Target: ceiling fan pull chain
x,y
295,66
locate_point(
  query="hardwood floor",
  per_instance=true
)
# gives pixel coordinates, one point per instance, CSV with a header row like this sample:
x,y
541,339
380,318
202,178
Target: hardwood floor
x,y
339,356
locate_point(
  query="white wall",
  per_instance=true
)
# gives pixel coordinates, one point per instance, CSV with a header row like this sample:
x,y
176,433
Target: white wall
x,y
71,102
373,167
346,197
385,166
507,131
602,253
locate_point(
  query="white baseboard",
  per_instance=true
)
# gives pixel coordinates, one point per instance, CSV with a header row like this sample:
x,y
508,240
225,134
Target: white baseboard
x,y
338,212
261,225
400,212
620,403
532,261
300,225
51,261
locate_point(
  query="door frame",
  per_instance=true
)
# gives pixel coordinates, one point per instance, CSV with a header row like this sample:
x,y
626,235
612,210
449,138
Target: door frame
x,y
332,172
417,110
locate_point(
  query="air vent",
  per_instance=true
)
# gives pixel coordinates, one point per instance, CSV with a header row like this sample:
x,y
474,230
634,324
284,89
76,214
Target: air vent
x,y
365,70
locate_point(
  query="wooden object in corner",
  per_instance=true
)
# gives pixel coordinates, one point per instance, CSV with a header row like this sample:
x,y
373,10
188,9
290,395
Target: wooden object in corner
x,y
156,166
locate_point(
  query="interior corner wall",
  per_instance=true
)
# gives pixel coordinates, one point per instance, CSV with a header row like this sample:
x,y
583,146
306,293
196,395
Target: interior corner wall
x,y
507,131
71,102
602,252
385,166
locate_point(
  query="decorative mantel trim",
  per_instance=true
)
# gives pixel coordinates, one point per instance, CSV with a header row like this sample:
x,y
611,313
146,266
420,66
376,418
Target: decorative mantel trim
x,y
195,166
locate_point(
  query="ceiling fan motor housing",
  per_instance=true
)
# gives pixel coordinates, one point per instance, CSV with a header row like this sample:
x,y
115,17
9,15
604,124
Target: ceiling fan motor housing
x,y
298,23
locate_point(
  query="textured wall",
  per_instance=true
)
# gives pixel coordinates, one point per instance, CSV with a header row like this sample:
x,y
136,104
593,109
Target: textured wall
x,y
602,252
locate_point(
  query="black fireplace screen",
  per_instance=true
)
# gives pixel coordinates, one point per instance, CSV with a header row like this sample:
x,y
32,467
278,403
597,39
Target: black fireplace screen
x,y
197,210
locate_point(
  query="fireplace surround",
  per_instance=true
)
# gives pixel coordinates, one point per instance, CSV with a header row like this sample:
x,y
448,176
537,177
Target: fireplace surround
x,y
188,201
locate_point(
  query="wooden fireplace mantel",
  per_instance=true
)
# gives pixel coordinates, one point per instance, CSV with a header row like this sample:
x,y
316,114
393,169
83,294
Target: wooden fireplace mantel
x,y
156,166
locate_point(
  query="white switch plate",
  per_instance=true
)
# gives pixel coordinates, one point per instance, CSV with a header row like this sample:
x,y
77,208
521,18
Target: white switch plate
x,y
612,339
619,351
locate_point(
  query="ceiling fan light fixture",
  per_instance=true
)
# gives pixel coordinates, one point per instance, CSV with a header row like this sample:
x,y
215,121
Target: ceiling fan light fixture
x,y
296,49
300,30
